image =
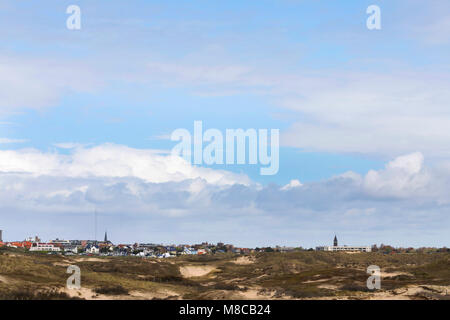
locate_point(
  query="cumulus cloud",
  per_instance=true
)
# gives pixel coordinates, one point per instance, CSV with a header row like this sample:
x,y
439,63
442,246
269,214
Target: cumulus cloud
x,y
403,177
136,188
292,184
110,160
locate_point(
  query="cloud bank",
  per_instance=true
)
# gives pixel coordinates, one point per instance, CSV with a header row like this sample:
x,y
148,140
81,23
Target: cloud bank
x,y
142,194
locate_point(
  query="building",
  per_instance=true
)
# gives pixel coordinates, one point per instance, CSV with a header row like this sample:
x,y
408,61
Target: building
x,y
38,246
345,248
188,250
33,239
336,248
71,248
19,244
60,242
1,237
93,249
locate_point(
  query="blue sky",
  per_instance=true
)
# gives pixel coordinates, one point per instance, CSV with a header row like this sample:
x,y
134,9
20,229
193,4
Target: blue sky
x,y
348,101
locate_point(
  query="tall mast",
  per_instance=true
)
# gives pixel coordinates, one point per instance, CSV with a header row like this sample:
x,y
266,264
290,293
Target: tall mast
x,y
95,224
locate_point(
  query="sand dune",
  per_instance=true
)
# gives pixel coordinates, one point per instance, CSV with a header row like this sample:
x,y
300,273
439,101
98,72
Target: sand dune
x,y
195,271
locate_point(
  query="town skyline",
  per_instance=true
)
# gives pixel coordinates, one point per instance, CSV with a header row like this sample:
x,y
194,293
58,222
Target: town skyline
x,y
156,243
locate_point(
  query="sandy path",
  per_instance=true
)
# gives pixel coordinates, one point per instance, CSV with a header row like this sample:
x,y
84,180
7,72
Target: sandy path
x,y
152,295
195,271
394,274
255,293
243,260
5,279
408,293
61,264
84,293
89,294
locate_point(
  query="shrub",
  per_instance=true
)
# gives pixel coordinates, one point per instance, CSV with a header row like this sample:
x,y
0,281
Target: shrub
x,y
28,294
354,287
111,290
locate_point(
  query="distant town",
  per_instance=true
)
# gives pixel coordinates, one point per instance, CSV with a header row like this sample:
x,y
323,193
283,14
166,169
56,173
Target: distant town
x,y
151,250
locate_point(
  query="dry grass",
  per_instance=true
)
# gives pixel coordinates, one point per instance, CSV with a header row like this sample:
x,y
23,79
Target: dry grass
x,y
295,275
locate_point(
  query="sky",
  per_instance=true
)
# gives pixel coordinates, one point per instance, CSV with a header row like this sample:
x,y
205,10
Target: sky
x,y
86,118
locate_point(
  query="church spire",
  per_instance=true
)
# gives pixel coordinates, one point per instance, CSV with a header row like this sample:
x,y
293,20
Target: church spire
x,y
106,237
335,242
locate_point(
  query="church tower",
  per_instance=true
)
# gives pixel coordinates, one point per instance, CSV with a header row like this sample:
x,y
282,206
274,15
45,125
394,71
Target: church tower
x,y
106,237
335,242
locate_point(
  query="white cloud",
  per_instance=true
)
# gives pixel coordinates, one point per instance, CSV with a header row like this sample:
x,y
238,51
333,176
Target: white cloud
x,y
360,211
337,111
109,160
69,145
437,31
161,137
200,74
8,140
430,24
369,113
140,193
292,184
405,176
37,83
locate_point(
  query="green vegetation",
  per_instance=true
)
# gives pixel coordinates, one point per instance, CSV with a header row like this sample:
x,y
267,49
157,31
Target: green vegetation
x,y
111,290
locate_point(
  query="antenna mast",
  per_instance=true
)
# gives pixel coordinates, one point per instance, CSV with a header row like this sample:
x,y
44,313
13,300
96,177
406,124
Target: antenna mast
x,y
95,224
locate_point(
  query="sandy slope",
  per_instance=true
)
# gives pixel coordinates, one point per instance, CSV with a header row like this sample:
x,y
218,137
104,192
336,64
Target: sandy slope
x,y
195,271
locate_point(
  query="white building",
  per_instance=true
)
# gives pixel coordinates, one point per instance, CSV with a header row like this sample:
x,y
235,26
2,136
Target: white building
x,y
59,241
336,248
92,249
38,246
188,250
345,248
73,249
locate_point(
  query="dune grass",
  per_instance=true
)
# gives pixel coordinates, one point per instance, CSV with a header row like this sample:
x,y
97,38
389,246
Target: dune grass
x,y
300,274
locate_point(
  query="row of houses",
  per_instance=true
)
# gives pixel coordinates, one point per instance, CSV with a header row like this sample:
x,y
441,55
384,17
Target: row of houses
x,y
106,247
337,248
32,246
